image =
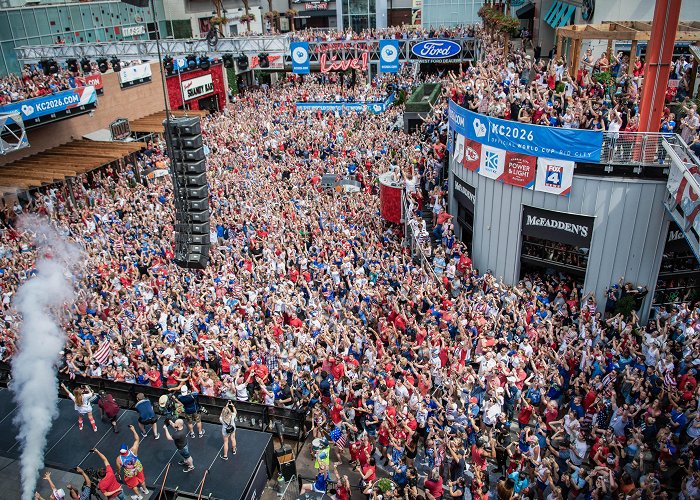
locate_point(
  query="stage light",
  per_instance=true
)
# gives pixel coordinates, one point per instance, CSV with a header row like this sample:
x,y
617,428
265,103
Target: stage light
x,y
44,65
228,60
85,65
203,62
116,64
263,60
102,65
242,62
168,65
72,65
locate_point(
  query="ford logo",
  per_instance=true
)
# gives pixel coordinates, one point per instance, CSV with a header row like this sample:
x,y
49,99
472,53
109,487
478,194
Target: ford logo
x,y
436,49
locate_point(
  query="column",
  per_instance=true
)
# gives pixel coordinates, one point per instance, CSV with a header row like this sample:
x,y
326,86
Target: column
x,y
381,14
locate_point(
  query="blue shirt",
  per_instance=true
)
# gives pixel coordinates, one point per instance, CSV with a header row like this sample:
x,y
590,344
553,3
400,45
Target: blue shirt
x,y
189,402
145,409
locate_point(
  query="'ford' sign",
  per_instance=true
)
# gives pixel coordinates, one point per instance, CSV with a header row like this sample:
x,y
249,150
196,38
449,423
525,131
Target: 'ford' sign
x,y
436,49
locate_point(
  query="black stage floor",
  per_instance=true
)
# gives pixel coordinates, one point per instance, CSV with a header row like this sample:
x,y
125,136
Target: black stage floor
x,y
68,447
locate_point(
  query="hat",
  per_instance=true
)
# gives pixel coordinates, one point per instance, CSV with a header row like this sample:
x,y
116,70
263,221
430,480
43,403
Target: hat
x,y
124,450
473,400
184,390
163,401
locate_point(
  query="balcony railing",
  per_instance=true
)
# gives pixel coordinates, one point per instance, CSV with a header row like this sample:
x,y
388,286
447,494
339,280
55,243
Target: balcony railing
x,y
640,148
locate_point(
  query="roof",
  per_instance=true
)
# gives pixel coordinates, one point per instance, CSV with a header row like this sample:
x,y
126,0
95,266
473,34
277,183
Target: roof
x,y
62,162
626,30
154,123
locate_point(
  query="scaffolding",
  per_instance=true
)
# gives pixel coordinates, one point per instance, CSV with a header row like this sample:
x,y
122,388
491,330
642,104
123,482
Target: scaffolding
x,y
13,136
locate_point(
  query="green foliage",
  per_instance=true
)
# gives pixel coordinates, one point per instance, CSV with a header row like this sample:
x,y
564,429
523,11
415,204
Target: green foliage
x,y
559,88
603,78
625,306
496,19
232,80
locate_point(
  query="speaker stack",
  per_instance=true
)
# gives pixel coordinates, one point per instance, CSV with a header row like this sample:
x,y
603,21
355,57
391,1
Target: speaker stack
x,y
189,168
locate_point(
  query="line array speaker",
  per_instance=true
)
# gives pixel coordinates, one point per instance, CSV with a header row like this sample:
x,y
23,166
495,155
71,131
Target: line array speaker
x,y
186,150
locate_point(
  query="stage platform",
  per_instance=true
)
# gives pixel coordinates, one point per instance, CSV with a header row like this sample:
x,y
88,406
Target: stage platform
x,y
68,447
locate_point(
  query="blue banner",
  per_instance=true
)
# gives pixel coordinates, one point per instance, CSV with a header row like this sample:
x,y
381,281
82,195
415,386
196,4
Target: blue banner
x,y
535,140
300,58
373,107
55,103
388,56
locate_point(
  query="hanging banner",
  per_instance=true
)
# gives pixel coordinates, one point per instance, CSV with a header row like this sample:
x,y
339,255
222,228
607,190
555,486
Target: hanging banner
x,y
492,162
358,106
48,108
472,154
535,140
197,87
519,170
300,58
575,230
95,80
464,194
133,75
388,56
554,176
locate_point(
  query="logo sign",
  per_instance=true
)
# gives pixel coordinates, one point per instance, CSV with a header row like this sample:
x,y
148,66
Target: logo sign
x,y
300,58
334,65
534,140
317,6
492,162
388,56
436,49
561,227
520,170
554,176
465,194
133,30
197,87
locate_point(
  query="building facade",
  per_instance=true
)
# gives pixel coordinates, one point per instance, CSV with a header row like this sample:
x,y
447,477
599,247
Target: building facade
x,y
71,22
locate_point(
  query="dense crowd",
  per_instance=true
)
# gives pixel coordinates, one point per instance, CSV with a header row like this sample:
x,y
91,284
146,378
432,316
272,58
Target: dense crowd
x,y
544,92
334,87
455,384
396,32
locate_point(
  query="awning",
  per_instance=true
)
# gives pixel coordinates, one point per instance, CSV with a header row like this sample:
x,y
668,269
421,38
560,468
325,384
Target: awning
x,y
316,13
559,14
527,11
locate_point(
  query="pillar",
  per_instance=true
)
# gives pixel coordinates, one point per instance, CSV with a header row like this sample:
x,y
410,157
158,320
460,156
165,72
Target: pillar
x,y
633,57
658,63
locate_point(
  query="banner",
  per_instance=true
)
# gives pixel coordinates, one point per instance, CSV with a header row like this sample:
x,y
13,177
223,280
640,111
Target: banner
x,y
575,230
374,107
492,162
32,109
535,140
519,170
388,56
276,61
554,176
300,58
133,75
95,80
197,87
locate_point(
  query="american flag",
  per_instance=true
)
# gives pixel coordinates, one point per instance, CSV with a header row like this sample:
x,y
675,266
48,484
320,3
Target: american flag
x,y
103,353
338,437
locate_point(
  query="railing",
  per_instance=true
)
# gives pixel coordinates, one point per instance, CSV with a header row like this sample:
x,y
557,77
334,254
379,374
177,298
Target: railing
x,y
291,489
415,244
639,148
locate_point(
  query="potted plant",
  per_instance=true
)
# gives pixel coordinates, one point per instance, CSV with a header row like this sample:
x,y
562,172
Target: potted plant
x,y
216,20
290,13
247,18
272,14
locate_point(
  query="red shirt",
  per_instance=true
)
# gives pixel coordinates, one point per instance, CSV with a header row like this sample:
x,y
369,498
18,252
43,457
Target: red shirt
x,y
525,414
109,483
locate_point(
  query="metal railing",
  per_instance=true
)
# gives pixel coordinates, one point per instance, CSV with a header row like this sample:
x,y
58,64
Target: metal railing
x,y
291,489
416,244
638,148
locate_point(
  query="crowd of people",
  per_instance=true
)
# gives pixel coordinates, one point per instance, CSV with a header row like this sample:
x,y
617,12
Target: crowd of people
x,y
335,87
443,378
545,92
397,32
32,82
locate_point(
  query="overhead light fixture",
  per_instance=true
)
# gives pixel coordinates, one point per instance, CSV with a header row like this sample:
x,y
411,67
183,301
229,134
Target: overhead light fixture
x,y
116,64
264,60
204,62
72,65
228,60
102,65
242,62
85,65
191,61
168,65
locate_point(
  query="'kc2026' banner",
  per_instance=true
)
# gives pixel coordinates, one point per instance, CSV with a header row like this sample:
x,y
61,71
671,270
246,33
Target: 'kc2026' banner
x,y
535,140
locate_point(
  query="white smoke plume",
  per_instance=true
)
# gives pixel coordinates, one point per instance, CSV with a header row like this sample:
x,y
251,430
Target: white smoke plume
x,y
40,302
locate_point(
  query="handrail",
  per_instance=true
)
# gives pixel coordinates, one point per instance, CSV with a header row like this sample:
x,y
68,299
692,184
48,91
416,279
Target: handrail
x,y
162,486
416,247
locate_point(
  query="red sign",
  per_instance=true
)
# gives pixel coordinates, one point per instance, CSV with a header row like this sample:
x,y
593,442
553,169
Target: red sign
x,y
94,80
335,65
472,155
317,6
519,170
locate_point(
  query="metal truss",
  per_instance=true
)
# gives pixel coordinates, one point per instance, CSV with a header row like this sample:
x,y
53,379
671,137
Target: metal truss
x,y
13,136
147,49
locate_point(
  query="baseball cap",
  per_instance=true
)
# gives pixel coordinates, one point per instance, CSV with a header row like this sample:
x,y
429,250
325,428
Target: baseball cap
x,y
163,401
124,450
184,390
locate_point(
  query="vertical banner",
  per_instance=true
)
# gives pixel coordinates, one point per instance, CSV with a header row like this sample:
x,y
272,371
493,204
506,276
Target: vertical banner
x,y
492,162
457,146
300,58
388,56
554,176
519,170
472,154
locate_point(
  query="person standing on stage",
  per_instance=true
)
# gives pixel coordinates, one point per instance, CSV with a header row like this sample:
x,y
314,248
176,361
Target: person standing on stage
x,y
128,462
147,415
192,416
81,397
179,437
228,428
108,485
109,409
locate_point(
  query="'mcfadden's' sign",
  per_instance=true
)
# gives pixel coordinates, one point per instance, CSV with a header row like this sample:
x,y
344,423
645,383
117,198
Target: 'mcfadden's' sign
x,y
436,49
